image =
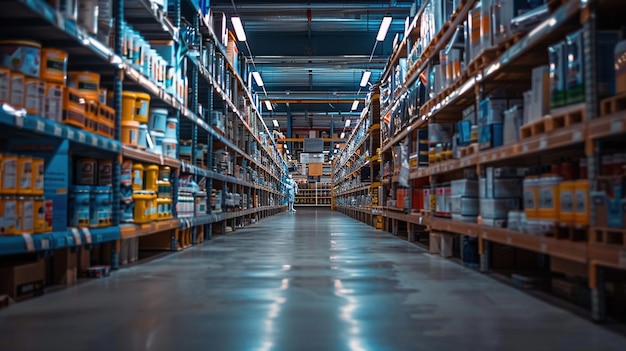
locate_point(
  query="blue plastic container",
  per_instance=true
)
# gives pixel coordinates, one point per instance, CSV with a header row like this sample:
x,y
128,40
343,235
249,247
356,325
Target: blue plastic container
x,y
79,206
100,206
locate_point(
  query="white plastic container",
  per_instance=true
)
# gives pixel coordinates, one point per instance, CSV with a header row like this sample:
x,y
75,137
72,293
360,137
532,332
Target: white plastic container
x,y
158,119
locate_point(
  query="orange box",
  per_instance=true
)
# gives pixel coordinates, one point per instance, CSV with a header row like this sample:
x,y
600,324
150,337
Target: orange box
x,y
74,107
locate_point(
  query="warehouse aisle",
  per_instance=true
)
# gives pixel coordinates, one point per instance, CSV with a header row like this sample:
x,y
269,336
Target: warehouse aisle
x,y
314,280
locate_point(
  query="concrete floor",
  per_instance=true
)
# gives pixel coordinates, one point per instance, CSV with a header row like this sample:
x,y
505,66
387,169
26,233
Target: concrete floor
x,y
314,280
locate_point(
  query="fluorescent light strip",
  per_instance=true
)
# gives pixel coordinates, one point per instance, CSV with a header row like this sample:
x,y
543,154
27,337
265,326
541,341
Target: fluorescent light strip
x,y
355,105
241,34
257,78
268,104
347,123
275,123
343,135
384,27
365,78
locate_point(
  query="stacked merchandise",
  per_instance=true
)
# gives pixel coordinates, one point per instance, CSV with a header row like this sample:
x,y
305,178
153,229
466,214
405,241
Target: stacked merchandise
x,y
500,192
90,200
464,198
145,193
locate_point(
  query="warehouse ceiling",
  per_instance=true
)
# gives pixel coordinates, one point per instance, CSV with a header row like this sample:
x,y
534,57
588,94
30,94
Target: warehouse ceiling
x,y
311,54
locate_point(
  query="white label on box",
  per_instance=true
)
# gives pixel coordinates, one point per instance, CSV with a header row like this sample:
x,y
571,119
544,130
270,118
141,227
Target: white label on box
x,y
94,141
30,244
58,131
40,126
19,120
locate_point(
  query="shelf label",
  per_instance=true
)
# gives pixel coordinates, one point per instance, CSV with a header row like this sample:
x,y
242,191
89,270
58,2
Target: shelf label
x,y
525,148
543,143
60,20
70,134
81,137
58,131
616,126
45,244
94,141
76,236
577,136
40,126
30,244
19,120
87,235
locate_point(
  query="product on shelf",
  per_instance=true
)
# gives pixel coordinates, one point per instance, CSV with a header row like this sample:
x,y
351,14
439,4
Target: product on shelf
x,y
21,56
54,66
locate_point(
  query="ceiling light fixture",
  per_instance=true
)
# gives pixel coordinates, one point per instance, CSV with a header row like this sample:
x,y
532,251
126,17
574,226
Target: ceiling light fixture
x,y
342,135
268,104
365,78
355,105
241,34
384,27
275,122
347,123
257,78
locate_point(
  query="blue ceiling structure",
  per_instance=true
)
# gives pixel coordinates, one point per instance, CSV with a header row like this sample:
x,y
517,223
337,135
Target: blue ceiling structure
x,y
311,54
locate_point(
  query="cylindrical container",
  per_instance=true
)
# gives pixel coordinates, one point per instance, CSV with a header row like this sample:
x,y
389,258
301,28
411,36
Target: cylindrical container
x,y
151,176
9,174
549,198
169,147
157,140
53,65
130,133
165,189
143,210
79,206
142,141
531,197
170,131
158,119
142,107
86,169
105,172
21,56
128,105
38,176
620,67
25,218
162,208
566,202
137,176
25,175
100,206
8,213
581,203
126,177
164,173
17,90
34,90
40,215
87,83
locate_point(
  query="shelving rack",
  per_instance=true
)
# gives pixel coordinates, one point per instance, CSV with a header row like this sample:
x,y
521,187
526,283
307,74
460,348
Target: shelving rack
x,y
314,195
509,69
244,140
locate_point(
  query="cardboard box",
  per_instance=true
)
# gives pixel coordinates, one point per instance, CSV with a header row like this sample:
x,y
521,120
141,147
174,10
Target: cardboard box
x,y
65,266
513,118
501,188
464,187
23,281
540,101
434,246
465,206
491,111
558,62
490,136
498,208
447,242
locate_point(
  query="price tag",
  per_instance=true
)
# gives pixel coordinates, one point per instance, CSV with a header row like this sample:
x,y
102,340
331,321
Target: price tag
x,y
94,141
87,235
543,143
577,136
525,148
70,134
616,126
45,244
40,126
58,131
543,247
28,241
81,137
19,120
76,236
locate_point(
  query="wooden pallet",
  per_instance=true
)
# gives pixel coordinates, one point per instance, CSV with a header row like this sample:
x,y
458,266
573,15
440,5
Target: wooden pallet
x,y
613,104
560,118
609,236
483,59
571,233
471,149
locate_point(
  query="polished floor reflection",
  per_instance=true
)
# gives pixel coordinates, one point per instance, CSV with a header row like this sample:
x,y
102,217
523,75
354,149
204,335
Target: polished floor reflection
x,y
314,280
